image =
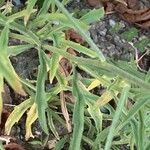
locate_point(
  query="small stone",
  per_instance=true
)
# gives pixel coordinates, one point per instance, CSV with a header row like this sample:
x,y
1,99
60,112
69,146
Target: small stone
x,y
103,33
112,23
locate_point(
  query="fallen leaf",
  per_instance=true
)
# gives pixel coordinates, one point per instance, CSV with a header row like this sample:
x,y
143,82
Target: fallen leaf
x,y
6,95
133,4
139,17
72,35
13,146
109,7
130,11
65,111
69,97
64,67
5,115
94,3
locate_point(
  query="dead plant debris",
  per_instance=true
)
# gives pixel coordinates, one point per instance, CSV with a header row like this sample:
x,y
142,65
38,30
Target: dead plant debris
x,y
129,10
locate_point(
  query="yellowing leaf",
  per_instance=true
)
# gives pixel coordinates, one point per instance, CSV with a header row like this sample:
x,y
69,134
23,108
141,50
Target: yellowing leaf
x,y
8,72
94,84
32,115
17,114
104,99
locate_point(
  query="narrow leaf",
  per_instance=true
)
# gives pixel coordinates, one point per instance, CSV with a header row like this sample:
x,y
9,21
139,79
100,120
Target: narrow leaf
x,y
32,115
17,49
54,63
51,124
40,93
16,114
78,111
45,7
4,40
123,98
93,15
29,9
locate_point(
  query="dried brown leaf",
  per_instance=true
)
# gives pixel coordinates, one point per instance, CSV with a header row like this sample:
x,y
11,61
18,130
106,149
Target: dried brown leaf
x,y
72,35
139,17
94,3
69,97
133,4
5,115
13,146
6,95
65,111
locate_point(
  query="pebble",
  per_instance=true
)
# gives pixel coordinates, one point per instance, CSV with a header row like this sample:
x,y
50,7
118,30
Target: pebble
x,y
103,32
112,23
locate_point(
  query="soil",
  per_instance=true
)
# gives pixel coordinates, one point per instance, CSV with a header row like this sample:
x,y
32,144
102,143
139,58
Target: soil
x,y
112,45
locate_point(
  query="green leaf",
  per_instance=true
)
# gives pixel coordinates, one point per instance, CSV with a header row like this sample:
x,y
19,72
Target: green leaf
x,y
54,63
141,129
116,28
78,111
140,45
24,38
120,106
36,142
17,49
60,144
58,19
81,49
29,10
16,114
40,98
61,79
1,146
6,69
130,34
134,125
135,108
93,15
19,14
4,40
51,124
104,68
45,7
97,117
81,31
147,146
8,72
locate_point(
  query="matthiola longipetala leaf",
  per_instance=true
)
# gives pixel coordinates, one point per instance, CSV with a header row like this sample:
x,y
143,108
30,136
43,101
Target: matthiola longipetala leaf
x,y
6,68
29,10
105,102
78,109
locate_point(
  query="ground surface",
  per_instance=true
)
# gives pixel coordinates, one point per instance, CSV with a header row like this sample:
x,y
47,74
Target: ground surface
x,y
112,44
